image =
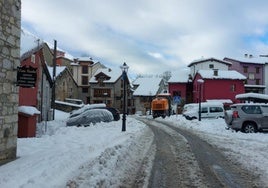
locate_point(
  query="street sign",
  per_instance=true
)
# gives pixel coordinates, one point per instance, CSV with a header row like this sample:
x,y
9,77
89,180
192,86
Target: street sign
x,y
26,76
177,99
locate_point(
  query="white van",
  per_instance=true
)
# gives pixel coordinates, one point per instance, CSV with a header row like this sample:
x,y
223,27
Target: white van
x,y
208,110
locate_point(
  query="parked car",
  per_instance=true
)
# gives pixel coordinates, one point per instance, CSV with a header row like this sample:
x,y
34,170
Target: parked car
x,y
208,110
247,117
90,116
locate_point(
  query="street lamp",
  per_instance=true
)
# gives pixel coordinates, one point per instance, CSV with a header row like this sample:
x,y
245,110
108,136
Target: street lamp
x,y
124,69
200,82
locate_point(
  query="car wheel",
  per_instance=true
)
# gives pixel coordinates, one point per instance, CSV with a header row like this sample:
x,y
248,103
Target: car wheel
x,y
249,128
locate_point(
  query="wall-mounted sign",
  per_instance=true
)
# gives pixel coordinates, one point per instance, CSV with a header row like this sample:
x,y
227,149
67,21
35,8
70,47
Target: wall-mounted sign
x,y
26,76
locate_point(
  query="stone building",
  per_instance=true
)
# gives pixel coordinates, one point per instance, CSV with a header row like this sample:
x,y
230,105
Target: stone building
x,y
106,86
10,23
66,87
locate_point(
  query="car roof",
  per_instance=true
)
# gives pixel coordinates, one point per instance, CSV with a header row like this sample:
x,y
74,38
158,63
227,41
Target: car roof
x,y
250,104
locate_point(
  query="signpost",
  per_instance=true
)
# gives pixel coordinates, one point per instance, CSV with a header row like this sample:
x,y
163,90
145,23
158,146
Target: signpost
x,y
26,76
177,101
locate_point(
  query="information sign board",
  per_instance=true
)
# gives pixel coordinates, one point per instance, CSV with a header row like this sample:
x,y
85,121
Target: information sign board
x,y
26,76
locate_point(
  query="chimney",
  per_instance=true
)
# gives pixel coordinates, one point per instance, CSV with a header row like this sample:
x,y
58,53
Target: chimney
x,y
246,55
250,56
215,72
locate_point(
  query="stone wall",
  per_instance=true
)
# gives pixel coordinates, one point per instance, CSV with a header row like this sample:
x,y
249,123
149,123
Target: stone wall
x,y
10,24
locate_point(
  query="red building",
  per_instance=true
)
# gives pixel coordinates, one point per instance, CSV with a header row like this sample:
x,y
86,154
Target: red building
x,y
217,85
38,95
180,85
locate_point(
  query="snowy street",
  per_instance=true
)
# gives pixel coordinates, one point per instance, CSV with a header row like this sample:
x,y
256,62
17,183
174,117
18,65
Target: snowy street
x,y
102,155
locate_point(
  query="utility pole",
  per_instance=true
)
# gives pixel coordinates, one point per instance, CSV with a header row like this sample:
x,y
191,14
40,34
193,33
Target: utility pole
x,y
54,79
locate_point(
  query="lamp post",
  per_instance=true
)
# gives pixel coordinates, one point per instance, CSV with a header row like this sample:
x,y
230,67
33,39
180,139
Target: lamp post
x,y
200,82
124,69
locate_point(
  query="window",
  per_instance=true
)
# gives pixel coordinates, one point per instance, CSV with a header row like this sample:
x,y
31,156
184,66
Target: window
x,y
257,81
251,76
122,83
233,88
84,80
84,69
84,90
33,58
215,109
257,70
245,69
251,109
102,93
264,109
204,110
211,66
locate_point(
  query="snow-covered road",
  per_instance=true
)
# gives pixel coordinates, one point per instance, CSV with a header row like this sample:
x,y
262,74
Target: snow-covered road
x,y
62,155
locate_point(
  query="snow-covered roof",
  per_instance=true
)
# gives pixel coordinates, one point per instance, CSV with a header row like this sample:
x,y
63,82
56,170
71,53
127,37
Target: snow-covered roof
x,y
147,86
66,54
255,86
223,101
113,74
180,76
222,74
59,70
28,42
248,59
85,59
201,60
29,110
252,95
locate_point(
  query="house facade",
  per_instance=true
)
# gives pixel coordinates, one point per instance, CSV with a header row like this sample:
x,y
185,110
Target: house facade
x,y
180,85
83,69
65,87
145,90
106,86
222,85
208,64
253,69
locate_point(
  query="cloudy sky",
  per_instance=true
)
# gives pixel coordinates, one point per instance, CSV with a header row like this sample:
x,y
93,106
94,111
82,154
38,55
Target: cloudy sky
x,y
151,36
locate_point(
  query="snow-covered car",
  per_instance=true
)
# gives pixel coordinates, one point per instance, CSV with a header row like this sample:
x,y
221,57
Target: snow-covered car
x,y
114,111
247,117
85,108
91,116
